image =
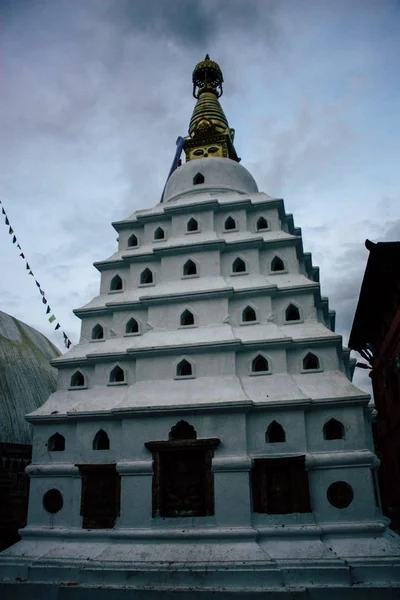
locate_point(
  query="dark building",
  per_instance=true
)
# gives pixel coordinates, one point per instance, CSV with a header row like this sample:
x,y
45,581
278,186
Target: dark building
x,y
26,380
376,336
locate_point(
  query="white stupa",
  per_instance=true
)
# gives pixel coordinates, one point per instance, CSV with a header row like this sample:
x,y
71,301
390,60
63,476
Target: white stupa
x,y
205,435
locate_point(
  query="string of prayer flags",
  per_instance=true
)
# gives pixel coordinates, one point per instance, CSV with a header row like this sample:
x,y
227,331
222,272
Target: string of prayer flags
x,y
52,317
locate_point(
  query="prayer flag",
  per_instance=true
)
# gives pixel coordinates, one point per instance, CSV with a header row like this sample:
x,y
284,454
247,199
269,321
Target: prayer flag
x,y
22,255
69,344
30,273
11,230
14,239
52,318
37,283
44,300
179,147
57,326
27,267
48,310
7,222
18,246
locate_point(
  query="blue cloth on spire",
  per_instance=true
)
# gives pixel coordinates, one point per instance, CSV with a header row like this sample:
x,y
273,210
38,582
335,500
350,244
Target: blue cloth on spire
x,y
179,147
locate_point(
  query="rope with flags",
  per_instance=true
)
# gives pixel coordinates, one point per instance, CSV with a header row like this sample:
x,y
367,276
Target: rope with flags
x,y
51,318
180,142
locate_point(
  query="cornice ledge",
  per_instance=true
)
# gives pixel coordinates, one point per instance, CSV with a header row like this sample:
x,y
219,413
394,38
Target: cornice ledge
x,y
192,247
318,341
92,311
103,265
262,289
231,463
189,208
52,470
304,288
186,348
345,458
135,467
195,295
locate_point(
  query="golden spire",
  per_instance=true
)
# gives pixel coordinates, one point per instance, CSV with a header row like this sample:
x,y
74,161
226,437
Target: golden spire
x,y
209,132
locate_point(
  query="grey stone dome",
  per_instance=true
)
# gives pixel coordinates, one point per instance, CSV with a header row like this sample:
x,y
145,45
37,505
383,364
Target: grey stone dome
x,y
220,175
26,377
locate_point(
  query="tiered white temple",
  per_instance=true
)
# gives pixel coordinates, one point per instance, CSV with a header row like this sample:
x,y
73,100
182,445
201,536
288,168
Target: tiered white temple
x,y
205,434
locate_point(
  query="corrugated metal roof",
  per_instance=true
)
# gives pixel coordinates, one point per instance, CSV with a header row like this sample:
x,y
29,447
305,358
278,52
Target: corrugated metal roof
x,y
26,377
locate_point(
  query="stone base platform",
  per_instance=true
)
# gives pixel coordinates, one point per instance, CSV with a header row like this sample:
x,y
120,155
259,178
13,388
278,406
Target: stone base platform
x,y
80,565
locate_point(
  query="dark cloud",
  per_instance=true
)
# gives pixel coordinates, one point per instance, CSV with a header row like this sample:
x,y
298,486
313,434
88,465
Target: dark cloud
x,y
195,23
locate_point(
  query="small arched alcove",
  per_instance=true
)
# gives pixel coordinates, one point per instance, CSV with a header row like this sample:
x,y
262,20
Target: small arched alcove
x,y
101,441
132,326
259,364
159,234
249,314
238,265
146,276
310,362
187,318
77,379
56,443
333,430
116,283
292,313
275,433
184,369
277,265
192,225
198,178
97,332
182,431
230,224
262,224
117,375
189,268
133,241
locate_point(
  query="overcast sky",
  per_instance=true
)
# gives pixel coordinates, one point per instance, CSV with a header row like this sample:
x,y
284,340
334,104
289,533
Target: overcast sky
x,y
95,92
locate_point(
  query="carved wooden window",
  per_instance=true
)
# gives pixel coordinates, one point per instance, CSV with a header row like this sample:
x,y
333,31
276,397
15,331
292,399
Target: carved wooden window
x,y
56,443
100,499
183,482
280,486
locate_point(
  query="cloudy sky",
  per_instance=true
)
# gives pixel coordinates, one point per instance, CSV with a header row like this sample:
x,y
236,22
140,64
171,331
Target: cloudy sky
x,y
95,92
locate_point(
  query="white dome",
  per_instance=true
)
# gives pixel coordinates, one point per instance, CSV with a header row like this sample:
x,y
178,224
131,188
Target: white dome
x,y
220,175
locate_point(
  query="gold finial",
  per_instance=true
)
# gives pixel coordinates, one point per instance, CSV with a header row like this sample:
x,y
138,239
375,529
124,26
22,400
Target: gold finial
x,y
207,76
209,131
